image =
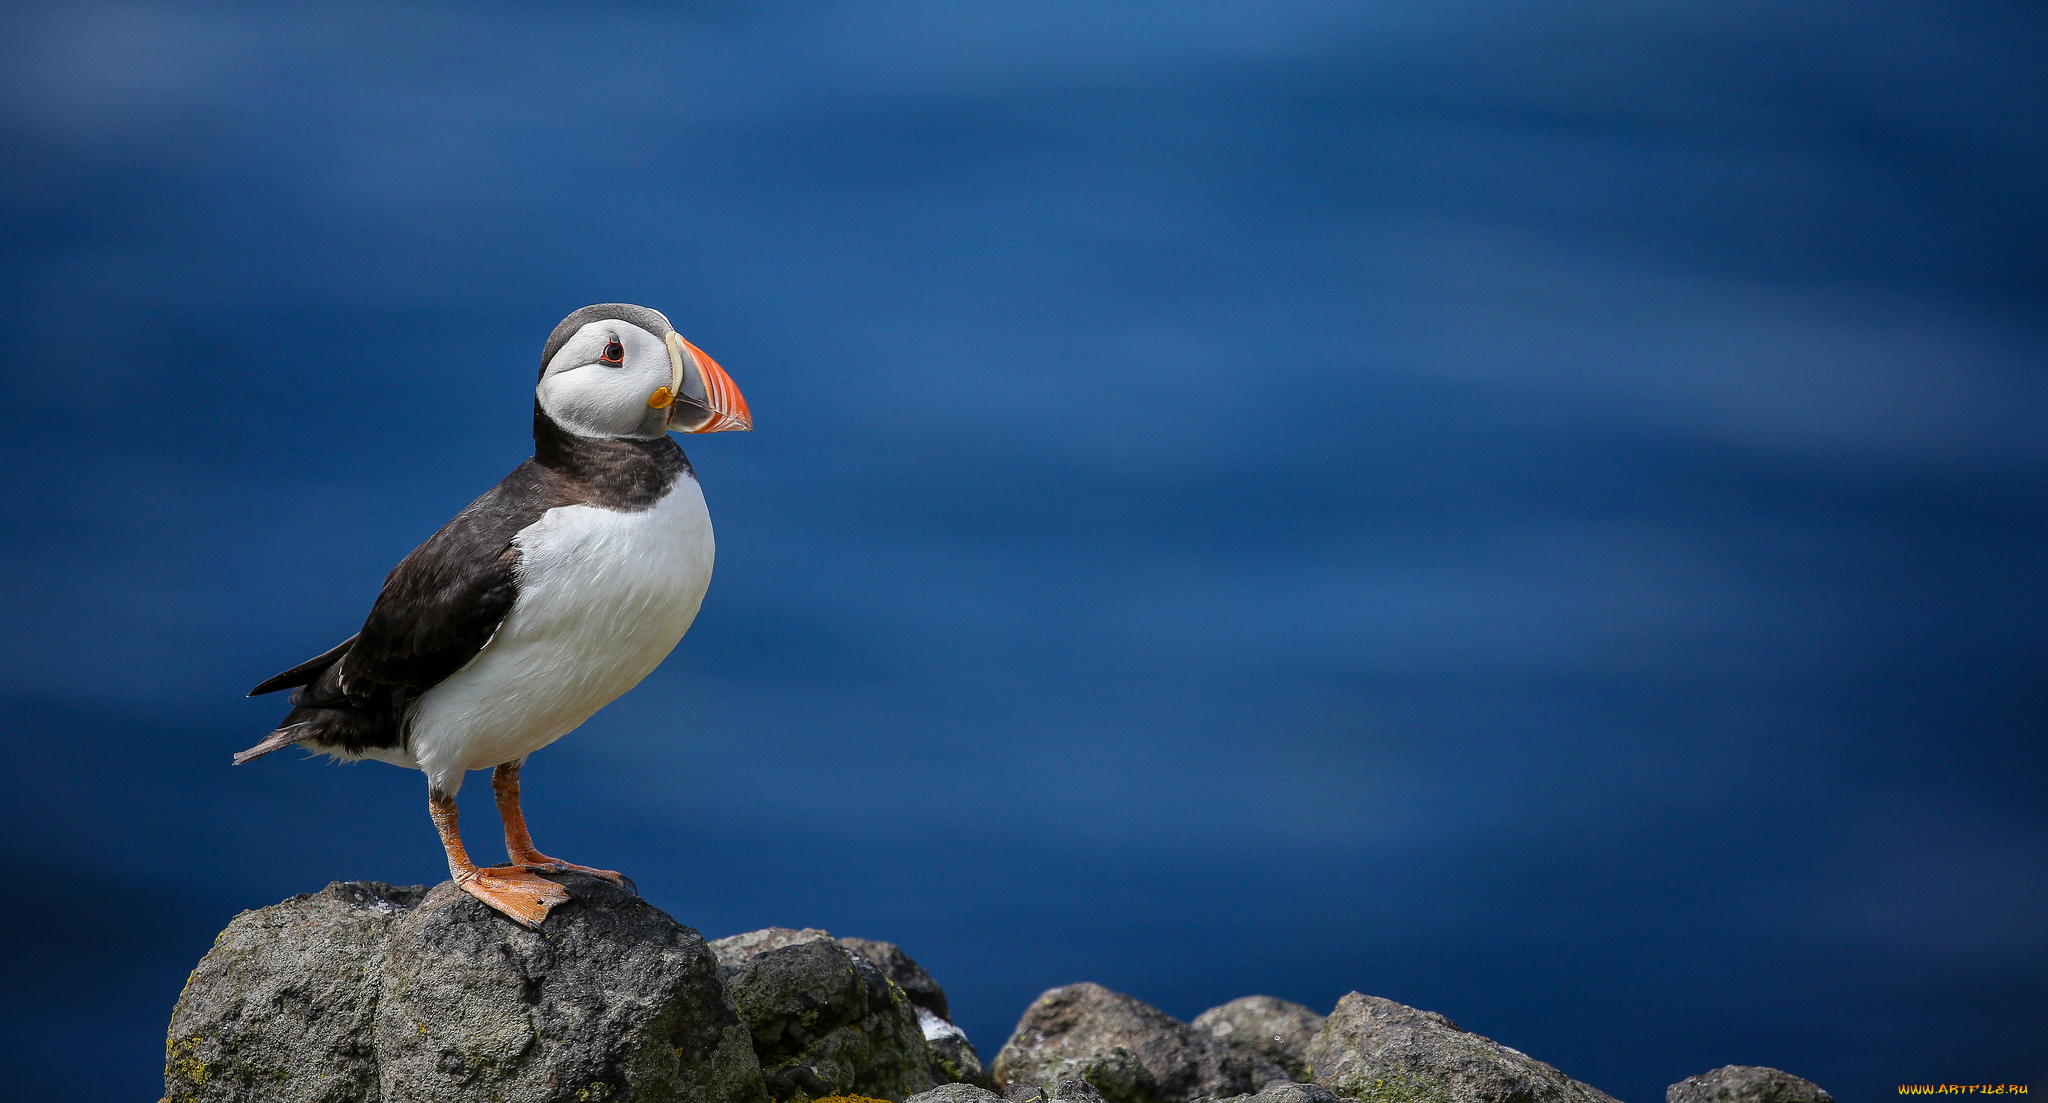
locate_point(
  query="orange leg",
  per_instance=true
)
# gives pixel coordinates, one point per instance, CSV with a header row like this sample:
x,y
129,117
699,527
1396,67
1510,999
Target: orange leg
x,y
519,844
516,892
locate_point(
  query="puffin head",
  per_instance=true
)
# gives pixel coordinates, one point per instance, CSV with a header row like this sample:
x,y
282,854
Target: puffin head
x,y
618,370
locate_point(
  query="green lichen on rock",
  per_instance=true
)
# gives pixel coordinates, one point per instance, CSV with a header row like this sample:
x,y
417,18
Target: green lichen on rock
x,y
1401,1089
183,1067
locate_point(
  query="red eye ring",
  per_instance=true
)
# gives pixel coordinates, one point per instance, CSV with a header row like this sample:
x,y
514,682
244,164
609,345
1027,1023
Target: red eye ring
x,y
614,353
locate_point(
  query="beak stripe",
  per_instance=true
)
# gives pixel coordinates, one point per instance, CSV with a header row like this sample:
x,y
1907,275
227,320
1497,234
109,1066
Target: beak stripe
x,y
721,395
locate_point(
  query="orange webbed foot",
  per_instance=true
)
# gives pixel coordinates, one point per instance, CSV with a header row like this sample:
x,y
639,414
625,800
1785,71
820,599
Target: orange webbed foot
x,y
515,891
541,863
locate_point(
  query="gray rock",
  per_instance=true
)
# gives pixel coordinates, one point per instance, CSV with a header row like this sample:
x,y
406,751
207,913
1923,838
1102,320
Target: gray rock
x,y
369,992
1066,1091
1379,1051
279,1008
953,1056
734,950
1130,1051
1294,1093
956,1093
908,975
825,1021
1274,1027
1746,1084
1287,1091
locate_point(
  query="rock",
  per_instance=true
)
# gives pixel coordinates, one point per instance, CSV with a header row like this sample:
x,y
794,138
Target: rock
x,y
1373,1050
1746,1084
1130,1051
280,1006
956,1093
1276,1028
1287,1091
908,975
734,950
825,1021
953,1056
1066,1091
369,992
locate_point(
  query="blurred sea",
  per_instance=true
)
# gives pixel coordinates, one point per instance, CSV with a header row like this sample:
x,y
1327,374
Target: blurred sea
x,y
1534,511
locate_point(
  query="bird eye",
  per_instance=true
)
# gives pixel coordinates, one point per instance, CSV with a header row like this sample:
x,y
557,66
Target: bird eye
x,y
614,353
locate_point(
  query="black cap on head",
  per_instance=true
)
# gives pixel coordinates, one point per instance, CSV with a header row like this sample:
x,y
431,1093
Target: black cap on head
x,y
650,320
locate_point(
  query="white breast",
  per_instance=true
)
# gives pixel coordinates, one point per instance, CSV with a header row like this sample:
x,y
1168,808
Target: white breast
x,y
603,598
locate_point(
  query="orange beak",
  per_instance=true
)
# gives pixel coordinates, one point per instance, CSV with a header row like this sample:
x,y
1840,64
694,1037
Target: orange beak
x,y
700,385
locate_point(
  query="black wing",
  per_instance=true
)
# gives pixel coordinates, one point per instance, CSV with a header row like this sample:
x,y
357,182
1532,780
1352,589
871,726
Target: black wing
x,y
306,671
438,608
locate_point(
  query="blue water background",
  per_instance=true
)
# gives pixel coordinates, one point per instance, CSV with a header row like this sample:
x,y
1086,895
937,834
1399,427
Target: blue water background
x,y
1535,511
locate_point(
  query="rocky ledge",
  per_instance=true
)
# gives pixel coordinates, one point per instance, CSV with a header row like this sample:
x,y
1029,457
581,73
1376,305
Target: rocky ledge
x,y
367,992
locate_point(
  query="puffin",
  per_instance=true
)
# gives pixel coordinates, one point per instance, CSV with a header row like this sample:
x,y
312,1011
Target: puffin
x,y
544,600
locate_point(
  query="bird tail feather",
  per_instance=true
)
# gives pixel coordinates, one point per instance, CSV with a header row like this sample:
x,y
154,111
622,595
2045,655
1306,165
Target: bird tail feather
x,y
277,740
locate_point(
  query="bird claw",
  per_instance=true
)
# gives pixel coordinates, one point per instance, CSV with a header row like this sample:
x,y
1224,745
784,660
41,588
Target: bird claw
x,y
540,863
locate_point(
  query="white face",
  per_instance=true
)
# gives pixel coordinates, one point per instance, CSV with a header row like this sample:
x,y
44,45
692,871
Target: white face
x,y
599,384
